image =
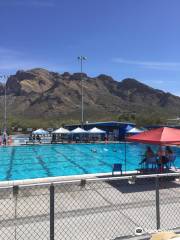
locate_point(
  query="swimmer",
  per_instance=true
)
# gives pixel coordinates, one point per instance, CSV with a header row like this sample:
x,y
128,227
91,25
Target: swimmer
x,y
114,150
93,150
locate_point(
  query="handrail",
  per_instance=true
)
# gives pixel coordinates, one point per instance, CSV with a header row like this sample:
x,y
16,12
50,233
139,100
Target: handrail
x,y
58,180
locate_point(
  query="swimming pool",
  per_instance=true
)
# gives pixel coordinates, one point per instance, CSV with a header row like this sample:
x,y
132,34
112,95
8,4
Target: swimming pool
x,y
38,161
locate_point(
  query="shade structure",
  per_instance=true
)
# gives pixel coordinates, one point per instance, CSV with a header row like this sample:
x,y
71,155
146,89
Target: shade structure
x,y
128,128
78,130
96,131
40,132
135,130
61,130
161,136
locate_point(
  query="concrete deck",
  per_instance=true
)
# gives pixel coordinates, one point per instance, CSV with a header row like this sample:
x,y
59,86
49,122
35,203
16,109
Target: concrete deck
x,y
99,210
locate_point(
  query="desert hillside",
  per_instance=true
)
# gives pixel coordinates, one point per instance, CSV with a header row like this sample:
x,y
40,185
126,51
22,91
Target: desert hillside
x,y
41,94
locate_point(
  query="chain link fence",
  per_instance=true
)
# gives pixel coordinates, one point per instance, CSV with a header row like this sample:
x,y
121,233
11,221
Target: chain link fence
x,y
100,208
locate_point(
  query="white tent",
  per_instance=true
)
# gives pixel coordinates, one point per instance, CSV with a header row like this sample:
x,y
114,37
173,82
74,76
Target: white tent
x,y
96,131
78,130
135,130
40,132
61,130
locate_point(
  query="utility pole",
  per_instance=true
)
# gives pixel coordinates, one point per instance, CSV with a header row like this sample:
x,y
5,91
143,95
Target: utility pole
x,y
82,59
4,80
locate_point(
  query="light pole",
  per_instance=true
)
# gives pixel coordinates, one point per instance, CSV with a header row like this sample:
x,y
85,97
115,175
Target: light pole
x,y
82,59
4,79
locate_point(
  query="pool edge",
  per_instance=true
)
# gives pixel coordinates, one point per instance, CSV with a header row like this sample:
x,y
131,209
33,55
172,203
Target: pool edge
x,y
49,180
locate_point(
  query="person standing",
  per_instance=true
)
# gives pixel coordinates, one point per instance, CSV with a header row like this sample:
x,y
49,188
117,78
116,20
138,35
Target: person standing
x,y
4,138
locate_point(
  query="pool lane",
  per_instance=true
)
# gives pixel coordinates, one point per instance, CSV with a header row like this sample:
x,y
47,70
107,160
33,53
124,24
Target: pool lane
x,y
71,161
9,171
42,163
86,154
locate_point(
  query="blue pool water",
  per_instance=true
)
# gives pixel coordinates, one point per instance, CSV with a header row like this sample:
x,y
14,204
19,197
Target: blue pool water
x,y
27,162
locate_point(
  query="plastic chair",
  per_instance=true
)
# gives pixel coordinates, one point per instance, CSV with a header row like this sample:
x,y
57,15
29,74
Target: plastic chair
x,y
172,159
151,161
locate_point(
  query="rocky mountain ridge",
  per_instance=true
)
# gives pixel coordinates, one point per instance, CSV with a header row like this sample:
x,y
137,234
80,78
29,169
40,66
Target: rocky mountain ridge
x,y
39,93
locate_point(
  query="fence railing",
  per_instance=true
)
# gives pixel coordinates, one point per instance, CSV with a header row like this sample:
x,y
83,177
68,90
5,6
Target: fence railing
x,y
99,208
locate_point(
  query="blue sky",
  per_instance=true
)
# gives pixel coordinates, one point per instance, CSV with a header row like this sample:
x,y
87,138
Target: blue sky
x,y
121,38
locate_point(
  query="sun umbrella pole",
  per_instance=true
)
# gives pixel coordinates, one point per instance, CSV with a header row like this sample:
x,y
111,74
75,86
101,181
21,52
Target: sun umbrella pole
x,y
125,154
161,159
15,195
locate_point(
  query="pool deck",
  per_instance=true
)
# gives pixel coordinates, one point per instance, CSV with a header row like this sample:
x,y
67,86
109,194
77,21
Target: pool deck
x,y
105,210
26,143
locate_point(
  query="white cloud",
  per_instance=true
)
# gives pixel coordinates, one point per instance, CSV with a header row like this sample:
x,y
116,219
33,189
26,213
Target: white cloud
x,y
174,66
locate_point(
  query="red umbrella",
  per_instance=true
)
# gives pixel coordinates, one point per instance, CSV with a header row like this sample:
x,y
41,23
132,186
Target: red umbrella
x,y
161,136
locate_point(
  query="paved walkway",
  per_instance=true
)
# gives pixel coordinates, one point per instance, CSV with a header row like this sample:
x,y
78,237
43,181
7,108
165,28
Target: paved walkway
x,y
101,210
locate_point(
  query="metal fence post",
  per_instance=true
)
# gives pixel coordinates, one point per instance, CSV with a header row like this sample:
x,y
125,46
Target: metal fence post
x,y
15,195
51,212
157,204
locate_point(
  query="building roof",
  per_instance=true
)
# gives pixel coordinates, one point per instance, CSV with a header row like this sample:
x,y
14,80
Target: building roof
x,y
108,123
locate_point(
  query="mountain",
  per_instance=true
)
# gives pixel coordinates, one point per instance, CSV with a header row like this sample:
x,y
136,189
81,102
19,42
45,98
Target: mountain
x,y
44,95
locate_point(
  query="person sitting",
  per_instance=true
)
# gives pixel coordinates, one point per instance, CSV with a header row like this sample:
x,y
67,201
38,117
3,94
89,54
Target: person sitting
x,y
150,158
162,157
38,138
170,156
106,139
30,139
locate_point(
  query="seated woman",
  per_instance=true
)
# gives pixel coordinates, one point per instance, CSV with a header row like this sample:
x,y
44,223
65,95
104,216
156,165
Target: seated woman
x,y
170,156
150,158
162,157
